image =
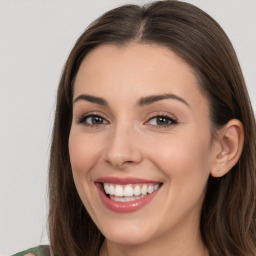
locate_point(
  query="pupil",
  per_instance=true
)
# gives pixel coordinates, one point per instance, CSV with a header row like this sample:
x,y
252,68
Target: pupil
x,y
162,120
96,120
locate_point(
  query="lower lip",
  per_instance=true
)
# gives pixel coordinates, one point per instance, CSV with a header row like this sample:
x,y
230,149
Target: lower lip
x,y
124,207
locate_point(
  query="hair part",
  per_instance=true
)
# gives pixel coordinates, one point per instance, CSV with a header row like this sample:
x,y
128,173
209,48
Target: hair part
x,y
228,215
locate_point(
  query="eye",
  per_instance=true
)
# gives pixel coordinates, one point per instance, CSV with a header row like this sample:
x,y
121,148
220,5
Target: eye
x,y
92,120
162,121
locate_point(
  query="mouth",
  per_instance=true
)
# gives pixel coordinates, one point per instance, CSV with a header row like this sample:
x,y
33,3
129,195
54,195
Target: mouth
x,y
126,195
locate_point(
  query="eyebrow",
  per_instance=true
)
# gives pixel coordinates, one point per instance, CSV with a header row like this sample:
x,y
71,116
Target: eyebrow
x,y
90,98
154,98
141,102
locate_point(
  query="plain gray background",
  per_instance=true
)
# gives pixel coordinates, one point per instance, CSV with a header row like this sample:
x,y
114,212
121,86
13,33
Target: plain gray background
x,y
35,39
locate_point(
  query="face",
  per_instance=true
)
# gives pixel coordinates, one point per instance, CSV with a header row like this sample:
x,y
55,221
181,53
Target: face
x,y
140,144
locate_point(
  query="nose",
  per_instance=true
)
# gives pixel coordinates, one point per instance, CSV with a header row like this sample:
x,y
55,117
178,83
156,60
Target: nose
x,y
122,149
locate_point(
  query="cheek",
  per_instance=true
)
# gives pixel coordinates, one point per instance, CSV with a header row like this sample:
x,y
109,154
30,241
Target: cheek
x,y
179,150
187,157
83,153
185,160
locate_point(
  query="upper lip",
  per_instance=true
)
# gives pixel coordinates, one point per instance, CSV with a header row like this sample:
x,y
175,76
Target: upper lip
x,y
124,181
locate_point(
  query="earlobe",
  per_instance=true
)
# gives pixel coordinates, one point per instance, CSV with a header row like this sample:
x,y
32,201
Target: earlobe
x,y
231,140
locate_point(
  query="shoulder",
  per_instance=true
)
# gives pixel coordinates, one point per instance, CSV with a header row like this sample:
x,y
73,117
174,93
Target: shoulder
x,y
42,250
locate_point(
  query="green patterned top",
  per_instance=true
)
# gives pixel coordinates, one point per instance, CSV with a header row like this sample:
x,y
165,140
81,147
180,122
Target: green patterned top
x,y
42,250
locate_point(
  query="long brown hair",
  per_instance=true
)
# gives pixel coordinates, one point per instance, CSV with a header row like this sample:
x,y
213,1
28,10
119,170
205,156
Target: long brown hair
x,y
228,214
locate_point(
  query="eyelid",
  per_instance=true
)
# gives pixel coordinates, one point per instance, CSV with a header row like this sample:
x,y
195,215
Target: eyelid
x,y
172,118
83,117
162,113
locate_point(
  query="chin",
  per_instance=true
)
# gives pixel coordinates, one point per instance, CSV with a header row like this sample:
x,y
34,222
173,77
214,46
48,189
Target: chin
x,y
129,234
126,238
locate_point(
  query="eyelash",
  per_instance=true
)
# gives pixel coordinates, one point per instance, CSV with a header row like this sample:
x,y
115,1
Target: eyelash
x,y
171,121
82,120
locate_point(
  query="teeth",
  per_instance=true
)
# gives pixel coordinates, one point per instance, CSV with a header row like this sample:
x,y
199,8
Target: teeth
x,y
150,189
126,199
106,188
119,191
131,191
137,190
128,191
111,190
144,190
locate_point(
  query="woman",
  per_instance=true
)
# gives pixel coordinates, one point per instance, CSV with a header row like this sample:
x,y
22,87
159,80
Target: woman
x,y
154,143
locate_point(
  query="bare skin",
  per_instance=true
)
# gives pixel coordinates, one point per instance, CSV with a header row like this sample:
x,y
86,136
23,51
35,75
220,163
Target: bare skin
x,y
167,140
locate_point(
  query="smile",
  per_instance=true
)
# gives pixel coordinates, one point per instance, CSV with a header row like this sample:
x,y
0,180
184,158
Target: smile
x,y
131,192
126,195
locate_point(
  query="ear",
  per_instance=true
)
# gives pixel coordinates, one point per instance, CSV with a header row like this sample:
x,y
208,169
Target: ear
x,y
230,140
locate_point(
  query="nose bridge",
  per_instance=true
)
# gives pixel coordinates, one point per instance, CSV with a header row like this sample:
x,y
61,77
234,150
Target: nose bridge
x,y
122,148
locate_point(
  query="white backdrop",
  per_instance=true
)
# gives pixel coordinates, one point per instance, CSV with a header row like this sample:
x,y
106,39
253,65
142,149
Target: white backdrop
x,y
35,39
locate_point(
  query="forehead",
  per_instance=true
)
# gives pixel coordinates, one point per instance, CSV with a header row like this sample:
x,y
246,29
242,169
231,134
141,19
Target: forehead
x,y
135,70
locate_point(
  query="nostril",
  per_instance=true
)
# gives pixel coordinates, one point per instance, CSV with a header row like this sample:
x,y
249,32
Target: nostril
x,y
128,162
